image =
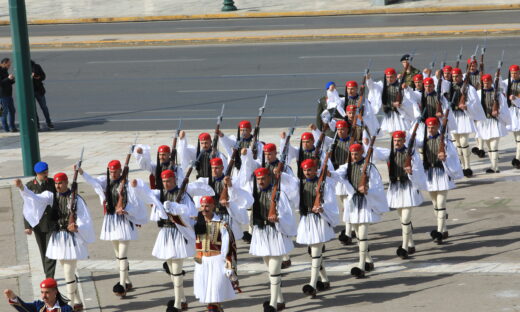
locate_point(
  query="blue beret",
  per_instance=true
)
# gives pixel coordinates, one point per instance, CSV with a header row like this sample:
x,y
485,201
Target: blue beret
x,y
330,83
41,167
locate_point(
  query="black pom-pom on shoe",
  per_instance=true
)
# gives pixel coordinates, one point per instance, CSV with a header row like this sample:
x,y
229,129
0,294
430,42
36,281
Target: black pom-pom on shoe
x,y
357,272
436,236
247,237
369,266
344,239
119,290
321,286
309,290
401,253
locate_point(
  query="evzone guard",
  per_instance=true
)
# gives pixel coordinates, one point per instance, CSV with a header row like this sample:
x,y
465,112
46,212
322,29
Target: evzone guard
x,y
123,212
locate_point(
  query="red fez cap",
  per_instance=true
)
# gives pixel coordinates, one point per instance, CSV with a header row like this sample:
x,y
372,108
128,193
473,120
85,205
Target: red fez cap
x,y
447,69
428,81
356,147
207,200
204,137
49,283
418,77
306,136
514,68
487,77
389,71
261,172
456,71
432,121
308,163
399,135
216,162
166,174
351,108
163,149
270,147
351,84
340,124
244,124
114,165
472,60
60,176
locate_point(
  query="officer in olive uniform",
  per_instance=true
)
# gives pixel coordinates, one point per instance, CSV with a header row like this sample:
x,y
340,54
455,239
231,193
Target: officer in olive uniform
x,y
410,72
42,231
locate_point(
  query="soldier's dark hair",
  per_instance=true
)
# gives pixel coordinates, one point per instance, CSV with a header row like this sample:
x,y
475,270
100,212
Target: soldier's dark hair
x,y
5,60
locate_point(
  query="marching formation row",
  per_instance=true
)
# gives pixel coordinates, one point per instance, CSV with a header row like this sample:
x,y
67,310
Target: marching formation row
x,y
246,182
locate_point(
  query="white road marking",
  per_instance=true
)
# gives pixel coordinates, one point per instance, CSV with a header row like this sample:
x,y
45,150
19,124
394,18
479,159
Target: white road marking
x,y
242,26
293,74
183,118
247,90
172,110
348,56
146,61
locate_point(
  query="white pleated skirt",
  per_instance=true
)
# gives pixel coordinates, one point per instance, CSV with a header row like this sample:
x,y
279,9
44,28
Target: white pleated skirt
x,y
210,283
314,229
394,122
490,128
64,245
268,241
171,244
402,195
515,119
359,212
117,227
438,180
463,123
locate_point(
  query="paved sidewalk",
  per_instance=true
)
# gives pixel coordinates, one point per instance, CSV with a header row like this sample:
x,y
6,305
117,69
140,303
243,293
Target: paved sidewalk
x,y
59,11
475,270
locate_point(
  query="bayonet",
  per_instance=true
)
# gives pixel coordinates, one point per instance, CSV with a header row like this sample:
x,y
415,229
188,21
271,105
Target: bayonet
x,y
219,118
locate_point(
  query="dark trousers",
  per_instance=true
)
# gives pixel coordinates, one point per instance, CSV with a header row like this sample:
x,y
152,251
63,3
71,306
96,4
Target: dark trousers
x,y
7,111
42,239
40,98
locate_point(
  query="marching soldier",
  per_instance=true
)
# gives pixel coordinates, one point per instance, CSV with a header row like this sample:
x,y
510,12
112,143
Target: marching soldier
x,y
213,268
175,241
271,237
475,76
202,154
43,230
511,85
338,158
244,137
119,225
387,96
442,167
317,223
464,114
144,161
51,301
407,178
71,235
365,203
497,119
410,72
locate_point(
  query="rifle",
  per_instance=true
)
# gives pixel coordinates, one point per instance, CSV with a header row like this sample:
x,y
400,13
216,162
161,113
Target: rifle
x,y
432,65
124,178
320,187
186,179
364,177
173,155
442,144
464,88
73,203
459,58
496,85
411,143
275,196
256,132
217,130
224,195
324,128
360,107
482,52
439,86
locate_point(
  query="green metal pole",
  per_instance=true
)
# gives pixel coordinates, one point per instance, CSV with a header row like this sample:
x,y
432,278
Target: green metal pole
x,y
229,5
24,88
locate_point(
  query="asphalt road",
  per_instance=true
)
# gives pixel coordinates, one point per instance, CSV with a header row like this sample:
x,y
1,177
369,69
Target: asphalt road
x,y
151,88
318,22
